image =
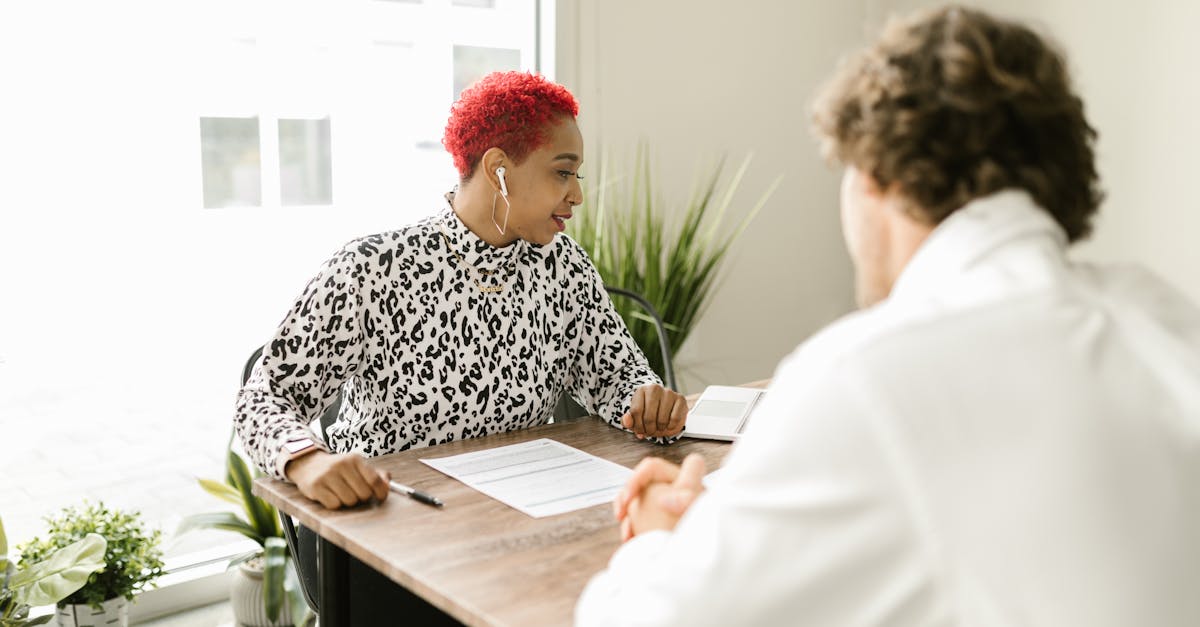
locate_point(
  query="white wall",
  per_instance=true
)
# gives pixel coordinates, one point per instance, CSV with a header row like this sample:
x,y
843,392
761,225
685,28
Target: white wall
x,y
704,77
1137,67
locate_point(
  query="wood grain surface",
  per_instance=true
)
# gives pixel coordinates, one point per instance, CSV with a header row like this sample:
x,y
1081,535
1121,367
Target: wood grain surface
x,y
477,559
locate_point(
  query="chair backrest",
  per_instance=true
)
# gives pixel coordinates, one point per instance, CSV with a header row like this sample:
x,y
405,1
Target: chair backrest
x,y
327,418
568,409
668,373
301,542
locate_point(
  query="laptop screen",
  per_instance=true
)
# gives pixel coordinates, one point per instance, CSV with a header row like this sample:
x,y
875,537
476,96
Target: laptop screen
x,y
719,409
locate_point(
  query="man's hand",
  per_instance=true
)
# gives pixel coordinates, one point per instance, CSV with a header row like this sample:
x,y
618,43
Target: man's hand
x,y
336,481
657,494
655,411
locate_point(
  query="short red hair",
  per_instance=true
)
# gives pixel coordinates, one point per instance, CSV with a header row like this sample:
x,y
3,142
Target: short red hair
x,y
506,110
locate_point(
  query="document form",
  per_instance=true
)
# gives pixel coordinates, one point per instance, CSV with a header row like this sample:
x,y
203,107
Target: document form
x,y
539,478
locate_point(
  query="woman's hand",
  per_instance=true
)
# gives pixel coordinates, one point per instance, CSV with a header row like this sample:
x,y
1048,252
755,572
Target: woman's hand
x,y
655,411
337,481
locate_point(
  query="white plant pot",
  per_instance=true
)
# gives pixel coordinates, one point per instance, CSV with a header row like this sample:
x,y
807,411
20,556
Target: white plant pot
x,y
246,597
112,613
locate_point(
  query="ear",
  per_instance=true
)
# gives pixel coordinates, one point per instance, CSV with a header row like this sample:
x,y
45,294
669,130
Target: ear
x,y
890,198
869,186
492,159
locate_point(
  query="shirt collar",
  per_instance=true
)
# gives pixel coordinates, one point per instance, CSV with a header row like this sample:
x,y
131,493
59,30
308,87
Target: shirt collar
x,y
972,233
473,249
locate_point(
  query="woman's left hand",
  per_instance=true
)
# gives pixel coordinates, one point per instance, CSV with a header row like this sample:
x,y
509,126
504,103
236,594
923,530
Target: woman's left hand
x,y
655,411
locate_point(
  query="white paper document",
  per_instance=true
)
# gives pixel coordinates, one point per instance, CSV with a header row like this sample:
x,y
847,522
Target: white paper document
x,y
539,478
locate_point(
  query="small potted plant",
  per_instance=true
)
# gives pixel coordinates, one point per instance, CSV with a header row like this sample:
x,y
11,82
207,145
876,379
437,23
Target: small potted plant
x,y
265,590
132,561
45,582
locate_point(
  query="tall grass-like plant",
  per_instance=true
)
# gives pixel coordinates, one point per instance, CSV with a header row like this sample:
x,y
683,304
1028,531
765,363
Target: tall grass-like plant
x,y
672,257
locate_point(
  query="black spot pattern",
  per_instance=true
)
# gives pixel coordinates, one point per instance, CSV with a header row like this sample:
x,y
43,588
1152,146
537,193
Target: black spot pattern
x,y
422,357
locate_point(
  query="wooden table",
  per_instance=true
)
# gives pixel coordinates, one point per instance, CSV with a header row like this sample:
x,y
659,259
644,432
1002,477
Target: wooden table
x,y
476,559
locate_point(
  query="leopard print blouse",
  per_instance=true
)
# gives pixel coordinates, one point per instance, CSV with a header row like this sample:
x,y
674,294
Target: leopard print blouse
x,y
422,355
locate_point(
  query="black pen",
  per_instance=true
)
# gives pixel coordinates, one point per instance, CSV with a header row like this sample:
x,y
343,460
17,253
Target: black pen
x,y
415,494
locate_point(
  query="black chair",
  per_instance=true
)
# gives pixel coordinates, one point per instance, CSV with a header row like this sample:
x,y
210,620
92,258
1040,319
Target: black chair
x,y
304,551
302,542
327,418
568,409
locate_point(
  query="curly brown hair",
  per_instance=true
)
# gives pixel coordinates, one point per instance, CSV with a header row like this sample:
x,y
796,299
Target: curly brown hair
x,y
953,104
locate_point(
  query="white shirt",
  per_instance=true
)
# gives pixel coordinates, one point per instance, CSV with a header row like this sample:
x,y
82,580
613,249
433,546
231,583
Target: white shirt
x,y
1009,439
398,324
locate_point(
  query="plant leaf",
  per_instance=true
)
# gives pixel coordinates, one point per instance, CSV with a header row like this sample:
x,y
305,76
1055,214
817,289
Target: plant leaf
x,y
259,514
275,563
229,448
3,549
220,490
301,615
625,233
64,572
227,521
41,620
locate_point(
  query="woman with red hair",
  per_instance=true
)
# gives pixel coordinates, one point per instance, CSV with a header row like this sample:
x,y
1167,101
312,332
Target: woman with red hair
x,y
470,322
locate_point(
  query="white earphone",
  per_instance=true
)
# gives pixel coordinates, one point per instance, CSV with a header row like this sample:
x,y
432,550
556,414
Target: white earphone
x,y
503,186
504,195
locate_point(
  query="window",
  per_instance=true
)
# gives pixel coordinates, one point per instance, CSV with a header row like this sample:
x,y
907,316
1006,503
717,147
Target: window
x,y
184,175
350,104
472,63
232,164
304,162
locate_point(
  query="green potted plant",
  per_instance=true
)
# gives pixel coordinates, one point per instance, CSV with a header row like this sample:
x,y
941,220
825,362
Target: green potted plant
x,y
265,590
674,265
132,561
47,581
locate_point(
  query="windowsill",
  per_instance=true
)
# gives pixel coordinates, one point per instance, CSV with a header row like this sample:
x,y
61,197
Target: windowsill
x,y
192,580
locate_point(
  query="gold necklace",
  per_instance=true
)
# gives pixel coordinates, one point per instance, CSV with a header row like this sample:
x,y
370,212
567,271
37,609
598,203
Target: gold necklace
x,y
462,263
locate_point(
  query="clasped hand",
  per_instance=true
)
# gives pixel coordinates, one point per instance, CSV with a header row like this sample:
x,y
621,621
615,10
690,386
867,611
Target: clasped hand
x,y
657,494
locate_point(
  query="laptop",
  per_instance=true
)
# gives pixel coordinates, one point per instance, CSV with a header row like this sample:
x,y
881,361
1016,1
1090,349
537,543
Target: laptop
x,y
722,412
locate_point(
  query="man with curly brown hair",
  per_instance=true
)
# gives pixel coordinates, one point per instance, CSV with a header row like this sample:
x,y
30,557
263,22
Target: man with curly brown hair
x,y
1001,436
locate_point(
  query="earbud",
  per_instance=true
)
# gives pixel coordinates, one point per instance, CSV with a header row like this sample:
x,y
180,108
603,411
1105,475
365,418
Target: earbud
x,y
503,185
